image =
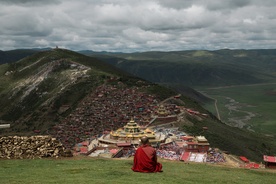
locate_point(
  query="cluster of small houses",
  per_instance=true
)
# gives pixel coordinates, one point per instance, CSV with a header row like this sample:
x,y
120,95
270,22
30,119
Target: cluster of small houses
x,y
180,147
176,147
107,108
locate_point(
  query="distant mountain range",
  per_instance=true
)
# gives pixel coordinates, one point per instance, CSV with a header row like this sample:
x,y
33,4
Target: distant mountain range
x,y
197,68
184,68
15,55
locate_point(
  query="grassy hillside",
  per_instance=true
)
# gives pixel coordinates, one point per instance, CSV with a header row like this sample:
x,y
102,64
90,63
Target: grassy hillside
x,y
35,90
249,106
234,140
232,71
87,170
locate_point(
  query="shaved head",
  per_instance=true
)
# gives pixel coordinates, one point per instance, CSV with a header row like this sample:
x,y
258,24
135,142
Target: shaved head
x,y
144,140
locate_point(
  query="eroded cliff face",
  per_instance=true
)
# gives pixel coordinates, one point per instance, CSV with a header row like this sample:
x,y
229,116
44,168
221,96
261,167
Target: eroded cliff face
x,y
36,87
70,72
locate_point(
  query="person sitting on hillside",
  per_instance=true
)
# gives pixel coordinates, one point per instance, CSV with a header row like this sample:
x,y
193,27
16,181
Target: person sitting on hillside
x,y
145,158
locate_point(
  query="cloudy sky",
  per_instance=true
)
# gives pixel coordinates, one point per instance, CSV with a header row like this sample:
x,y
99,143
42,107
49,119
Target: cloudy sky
x,y
138,25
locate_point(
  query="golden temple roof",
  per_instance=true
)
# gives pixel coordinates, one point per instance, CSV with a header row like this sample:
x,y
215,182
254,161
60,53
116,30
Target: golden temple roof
x,y
132,130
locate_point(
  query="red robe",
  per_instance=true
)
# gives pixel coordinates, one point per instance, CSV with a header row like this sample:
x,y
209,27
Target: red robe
x,y
145,160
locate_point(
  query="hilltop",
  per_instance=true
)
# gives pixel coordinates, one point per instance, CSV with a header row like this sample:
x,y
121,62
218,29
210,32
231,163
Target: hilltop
x,y
199,68
52,92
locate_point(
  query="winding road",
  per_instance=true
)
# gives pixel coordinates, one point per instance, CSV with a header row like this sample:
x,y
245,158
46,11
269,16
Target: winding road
x,y
234,106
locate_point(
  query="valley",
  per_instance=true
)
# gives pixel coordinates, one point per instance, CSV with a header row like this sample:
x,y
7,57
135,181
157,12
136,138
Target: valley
x,y
246,106
240,84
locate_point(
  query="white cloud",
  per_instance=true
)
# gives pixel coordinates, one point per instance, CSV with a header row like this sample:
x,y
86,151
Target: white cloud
x,y
41,42
128,25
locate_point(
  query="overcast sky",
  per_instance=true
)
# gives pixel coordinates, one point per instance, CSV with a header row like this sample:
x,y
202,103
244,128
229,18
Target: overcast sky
x,y
138,25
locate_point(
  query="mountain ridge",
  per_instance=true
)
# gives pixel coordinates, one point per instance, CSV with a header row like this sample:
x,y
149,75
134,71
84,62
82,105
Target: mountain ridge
x,y
46,93
200,68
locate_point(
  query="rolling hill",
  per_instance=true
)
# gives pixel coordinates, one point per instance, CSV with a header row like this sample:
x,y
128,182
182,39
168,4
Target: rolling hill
x,y
197,68
50,92
15,55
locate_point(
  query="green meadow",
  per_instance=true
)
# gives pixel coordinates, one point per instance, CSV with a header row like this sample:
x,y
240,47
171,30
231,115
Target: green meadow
x,y
256,101
104,171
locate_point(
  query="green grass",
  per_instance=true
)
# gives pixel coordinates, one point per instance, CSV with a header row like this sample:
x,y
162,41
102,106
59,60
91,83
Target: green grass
x,y
5,79
90,170
259,99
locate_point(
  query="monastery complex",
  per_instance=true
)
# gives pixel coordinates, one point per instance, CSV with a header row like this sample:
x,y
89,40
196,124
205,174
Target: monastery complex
x,y
110,121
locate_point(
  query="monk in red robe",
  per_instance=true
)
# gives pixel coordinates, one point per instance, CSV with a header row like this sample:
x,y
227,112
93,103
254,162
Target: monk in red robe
x,y
145,158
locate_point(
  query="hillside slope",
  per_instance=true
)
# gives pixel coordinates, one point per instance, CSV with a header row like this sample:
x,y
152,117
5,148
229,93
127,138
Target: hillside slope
x,y
15,55
108,171
40,91
198,68
207,70
74,97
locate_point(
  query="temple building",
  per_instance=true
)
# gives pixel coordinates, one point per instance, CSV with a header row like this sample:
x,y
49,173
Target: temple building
x,y
163,116
197,144
130,133
161,111
203,144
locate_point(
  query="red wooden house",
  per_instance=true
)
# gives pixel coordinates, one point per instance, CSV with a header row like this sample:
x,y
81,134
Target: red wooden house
x,y
270,162
192,147
203,144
